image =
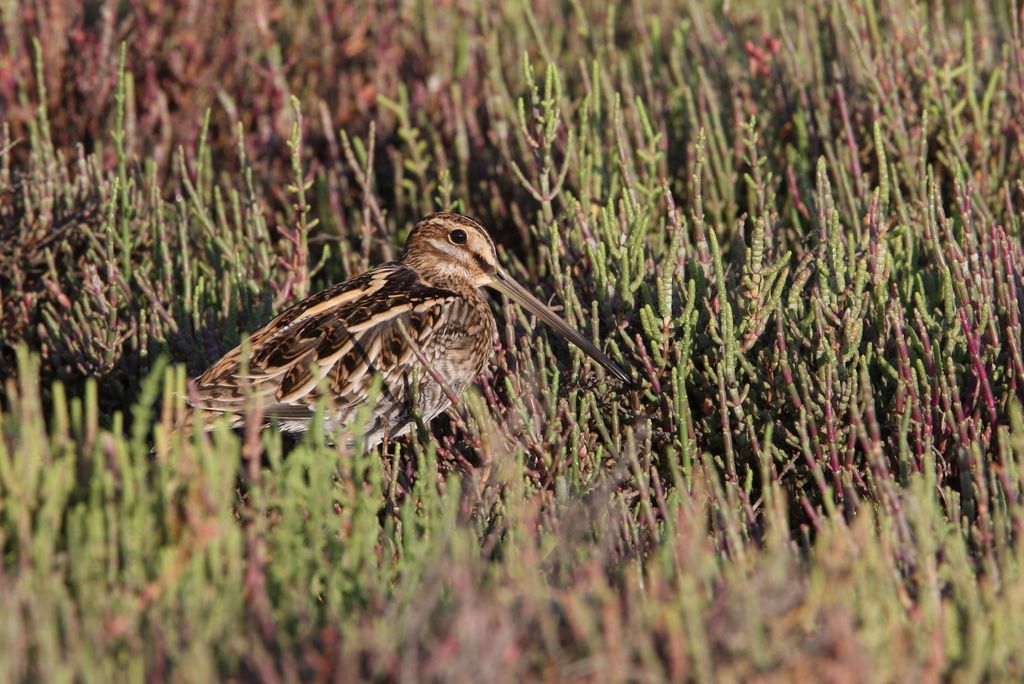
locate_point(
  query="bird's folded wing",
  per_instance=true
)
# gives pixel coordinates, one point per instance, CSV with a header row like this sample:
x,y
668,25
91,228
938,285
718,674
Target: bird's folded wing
x,y
335,341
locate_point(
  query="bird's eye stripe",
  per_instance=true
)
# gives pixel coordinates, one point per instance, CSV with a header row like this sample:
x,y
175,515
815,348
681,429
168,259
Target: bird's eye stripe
x,y
457,236
482,263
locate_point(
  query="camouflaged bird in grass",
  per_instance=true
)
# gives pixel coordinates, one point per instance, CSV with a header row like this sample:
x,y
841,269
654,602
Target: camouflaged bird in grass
x,y
420,323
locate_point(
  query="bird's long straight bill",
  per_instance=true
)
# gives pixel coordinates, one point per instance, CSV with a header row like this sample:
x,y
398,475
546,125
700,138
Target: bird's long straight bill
x,y
502,282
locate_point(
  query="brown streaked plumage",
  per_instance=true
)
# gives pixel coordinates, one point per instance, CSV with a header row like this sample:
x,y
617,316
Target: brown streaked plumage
x,y
426,309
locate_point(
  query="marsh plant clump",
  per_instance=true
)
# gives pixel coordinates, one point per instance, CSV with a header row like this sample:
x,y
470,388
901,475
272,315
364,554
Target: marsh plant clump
x,y
799,225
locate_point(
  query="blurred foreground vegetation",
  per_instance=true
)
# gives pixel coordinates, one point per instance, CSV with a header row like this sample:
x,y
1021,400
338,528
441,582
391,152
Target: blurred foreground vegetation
x,y
799,225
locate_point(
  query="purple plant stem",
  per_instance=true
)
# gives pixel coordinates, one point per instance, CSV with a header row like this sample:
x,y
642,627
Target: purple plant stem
x,y
979,368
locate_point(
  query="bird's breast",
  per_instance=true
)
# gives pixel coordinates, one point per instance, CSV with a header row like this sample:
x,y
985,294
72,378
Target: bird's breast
x,y
466,341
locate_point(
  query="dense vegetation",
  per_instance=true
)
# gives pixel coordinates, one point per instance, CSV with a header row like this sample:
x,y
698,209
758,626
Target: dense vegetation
x,y
799,226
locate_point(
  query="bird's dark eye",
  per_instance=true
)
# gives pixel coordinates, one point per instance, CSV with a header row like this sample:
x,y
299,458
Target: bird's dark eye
x,y
457,236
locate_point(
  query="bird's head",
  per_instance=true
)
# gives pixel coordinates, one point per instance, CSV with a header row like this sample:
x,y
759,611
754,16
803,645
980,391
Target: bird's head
x,y
451,247
447,248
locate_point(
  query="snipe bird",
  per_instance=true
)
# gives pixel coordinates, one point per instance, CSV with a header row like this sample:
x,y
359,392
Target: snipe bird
x,y
422,316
